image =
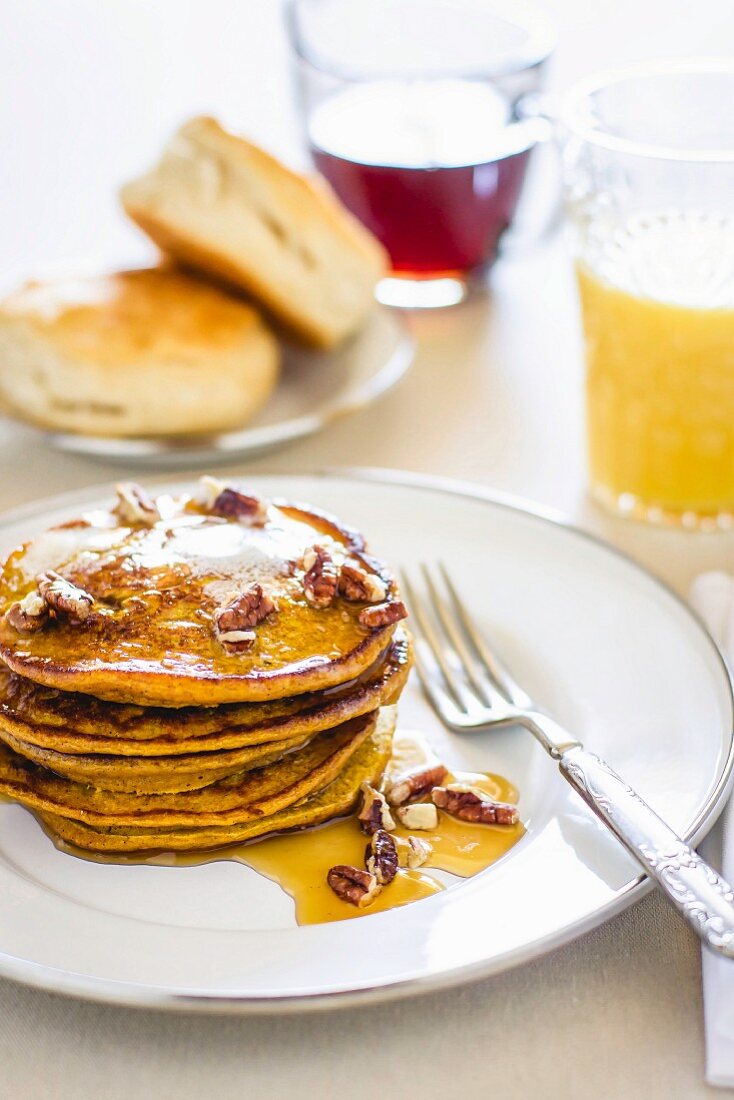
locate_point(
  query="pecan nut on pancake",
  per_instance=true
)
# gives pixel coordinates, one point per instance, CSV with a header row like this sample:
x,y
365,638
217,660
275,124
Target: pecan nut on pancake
x,y
367,764
71,723
150,634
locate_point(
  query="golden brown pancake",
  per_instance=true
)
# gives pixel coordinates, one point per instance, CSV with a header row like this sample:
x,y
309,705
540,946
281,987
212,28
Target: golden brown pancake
x,y
72,723
154,773
366,765
150,636
242,797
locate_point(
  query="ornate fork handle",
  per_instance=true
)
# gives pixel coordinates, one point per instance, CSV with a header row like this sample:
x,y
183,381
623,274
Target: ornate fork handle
x,y
701,896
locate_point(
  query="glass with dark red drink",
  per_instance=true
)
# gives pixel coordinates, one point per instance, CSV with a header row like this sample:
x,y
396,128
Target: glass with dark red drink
x,y
415,113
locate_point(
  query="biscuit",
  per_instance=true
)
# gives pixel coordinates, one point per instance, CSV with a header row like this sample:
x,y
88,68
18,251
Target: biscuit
x,y
145,352
221,205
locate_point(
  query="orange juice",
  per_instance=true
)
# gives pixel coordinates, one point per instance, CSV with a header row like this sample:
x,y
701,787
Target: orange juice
x,y
658,312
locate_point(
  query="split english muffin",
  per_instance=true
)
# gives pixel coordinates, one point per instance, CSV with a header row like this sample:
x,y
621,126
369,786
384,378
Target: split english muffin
x,y
135,353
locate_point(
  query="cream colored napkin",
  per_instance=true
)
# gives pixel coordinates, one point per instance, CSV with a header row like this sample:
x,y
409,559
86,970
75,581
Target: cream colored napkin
x,y
712,595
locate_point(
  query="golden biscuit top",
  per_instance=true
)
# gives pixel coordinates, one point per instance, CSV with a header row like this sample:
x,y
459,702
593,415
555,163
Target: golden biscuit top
x,y
144,316
194,603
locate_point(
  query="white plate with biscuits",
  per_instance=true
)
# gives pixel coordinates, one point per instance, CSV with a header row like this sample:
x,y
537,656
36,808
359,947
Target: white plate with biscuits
x,y
600,642
259,325
315,388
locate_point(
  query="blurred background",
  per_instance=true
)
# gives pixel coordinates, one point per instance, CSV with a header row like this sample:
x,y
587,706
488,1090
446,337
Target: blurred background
x,y
89,92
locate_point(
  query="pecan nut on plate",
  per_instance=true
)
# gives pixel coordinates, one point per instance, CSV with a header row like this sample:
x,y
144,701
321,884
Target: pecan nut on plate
x,y
381,857
353,885
415,783
374,813
472,804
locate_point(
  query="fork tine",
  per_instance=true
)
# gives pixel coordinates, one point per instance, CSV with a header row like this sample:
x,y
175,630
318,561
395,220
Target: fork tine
x,y
431,643
489,659
488,693
450,662
437,695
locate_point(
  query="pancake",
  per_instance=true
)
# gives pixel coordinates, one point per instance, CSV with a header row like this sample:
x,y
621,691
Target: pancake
x,y
72,723
147,774
366,765
144,623
242,797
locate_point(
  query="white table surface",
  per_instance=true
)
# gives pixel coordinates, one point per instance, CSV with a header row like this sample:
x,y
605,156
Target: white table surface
x,y
87,92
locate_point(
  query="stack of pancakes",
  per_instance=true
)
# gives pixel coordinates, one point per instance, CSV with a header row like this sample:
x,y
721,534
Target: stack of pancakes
x,y
194,671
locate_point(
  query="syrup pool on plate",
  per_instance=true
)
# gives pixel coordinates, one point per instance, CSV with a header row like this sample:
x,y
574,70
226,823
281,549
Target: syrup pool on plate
x,y
299,861
432,167
657,296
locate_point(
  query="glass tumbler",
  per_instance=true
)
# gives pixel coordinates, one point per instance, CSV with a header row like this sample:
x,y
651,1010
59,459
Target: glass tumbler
x,y
649,164
413,110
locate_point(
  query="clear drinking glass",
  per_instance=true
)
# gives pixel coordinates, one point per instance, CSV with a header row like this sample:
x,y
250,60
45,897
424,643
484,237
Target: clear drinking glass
x,y
649,159
413,112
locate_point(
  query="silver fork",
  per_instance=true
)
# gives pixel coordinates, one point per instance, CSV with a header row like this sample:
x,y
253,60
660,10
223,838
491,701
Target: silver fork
x,y
470,688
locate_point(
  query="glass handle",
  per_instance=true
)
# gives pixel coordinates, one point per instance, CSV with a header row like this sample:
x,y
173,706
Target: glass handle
x,y
536,115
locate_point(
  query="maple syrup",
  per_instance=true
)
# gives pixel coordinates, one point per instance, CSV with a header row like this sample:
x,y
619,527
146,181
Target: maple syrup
x,y
298,862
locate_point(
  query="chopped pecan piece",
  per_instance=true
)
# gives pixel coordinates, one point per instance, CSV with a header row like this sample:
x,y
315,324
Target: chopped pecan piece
x,y
64,598
383,614
360,586
234,622
417,852
234,504
320,577
208,490
415,783
375,812
237,640
472,804
29,615
418,815
134,506
381,857
354,885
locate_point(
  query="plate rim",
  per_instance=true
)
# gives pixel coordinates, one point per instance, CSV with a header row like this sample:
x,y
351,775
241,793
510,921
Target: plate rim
x,y
136,995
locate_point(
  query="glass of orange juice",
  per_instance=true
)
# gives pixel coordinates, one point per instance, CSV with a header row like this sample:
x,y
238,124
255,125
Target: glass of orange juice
x,y
649,158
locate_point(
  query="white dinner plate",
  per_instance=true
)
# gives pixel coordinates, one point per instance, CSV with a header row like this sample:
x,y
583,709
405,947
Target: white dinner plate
x,y
615,655
315,388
